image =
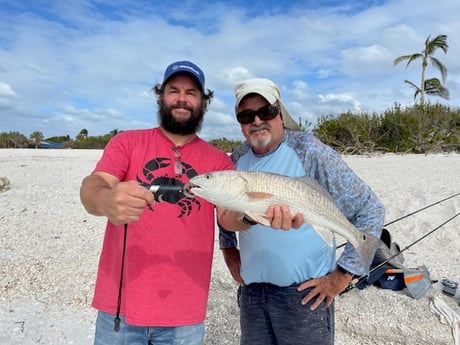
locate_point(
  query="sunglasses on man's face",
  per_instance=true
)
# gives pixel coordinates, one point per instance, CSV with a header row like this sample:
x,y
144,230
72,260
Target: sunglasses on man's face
x,y
266,113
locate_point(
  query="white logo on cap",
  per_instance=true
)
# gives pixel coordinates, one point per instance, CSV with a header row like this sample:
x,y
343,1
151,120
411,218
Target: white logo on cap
x,y
176,67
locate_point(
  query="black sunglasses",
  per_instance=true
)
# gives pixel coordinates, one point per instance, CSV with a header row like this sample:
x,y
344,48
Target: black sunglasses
x,y
266,113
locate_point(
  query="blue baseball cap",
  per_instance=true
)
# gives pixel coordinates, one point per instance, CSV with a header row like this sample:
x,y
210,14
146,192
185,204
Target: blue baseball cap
x,y
185,67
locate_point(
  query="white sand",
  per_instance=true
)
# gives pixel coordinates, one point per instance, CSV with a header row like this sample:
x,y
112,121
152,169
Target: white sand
x,y
49,250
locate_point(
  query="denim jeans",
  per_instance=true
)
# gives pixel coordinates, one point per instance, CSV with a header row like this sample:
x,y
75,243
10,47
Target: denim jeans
x,y
273,315
145,335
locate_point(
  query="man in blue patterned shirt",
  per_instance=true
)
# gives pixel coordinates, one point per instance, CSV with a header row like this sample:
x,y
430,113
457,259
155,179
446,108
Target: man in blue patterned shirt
x,y
289,279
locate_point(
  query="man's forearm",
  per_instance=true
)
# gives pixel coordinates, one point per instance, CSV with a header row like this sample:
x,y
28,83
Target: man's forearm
x,y
93,191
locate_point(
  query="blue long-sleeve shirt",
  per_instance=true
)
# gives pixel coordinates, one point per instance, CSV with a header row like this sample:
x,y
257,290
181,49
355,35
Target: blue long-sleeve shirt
x,y
286,260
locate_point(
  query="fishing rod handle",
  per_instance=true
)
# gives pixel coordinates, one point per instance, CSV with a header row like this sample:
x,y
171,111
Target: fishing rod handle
x,y
159,190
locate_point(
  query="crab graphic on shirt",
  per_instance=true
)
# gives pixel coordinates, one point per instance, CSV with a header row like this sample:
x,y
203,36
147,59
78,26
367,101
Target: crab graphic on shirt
x,y
148,179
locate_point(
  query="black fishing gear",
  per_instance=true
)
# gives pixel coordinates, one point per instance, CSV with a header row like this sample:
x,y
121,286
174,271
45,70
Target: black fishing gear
x,y
359,281
116,321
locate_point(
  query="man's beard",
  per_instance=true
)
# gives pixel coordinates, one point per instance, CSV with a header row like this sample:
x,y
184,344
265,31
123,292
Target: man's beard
x,y
258,142
184,127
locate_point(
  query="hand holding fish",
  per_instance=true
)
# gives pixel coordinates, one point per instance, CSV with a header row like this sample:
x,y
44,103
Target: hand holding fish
x,y
325,288
280,217
276,216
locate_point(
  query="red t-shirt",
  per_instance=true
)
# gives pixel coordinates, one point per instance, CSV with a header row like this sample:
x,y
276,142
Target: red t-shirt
x,y
169,250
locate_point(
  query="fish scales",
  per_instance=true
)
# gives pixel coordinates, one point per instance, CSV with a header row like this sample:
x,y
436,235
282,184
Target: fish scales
x,y
293,192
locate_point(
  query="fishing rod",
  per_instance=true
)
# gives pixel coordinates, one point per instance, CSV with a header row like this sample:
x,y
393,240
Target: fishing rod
x,y
355,282
421,209
411,214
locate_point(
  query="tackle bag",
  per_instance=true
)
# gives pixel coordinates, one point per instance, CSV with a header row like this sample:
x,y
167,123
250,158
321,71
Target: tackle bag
x,y
393,275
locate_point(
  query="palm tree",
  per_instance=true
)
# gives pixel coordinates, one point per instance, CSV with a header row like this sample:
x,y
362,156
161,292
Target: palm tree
x,y
37,138
430,86
114,132
82,135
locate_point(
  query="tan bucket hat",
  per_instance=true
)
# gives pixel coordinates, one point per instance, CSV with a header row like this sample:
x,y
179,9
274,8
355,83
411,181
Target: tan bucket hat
x,y
268,90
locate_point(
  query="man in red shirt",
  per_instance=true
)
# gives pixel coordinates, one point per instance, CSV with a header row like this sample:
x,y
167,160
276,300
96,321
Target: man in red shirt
x,y
155,265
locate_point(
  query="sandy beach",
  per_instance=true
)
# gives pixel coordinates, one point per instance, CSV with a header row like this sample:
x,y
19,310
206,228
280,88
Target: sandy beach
x,y
49,251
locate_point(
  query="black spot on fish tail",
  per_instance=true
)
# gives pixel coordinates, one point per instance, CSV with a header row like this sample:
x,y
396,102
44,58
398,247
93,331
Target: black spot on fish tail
x,y
367,248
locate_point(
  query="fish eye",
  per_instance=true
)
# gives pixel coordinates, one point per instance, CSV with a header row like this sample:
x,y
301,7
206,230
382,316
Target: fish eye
x,y
207,176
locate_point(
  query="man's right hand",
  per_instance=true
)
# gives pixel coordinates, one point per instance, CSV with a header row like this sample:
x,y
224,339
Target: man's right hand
x,y
103,194
126,202
280,217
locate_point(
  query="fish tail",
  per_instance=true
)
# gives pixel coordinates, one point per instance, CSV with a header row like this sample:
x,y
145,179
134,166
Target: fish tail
x,y
366,249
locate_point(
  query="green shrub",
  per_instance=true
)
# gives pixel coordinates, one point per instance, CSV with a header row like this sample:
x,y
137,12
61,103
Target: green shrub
x,y
416,129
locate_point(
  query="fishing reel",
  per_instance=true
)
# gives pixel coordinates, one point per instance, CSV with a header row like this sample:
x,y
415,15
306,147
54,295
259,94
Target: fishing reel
x,y
161,191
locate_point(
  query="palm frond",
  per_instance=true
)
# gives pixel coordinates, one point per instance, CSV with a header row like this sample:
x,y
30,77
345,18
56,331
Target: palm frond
x,y
417,89
412,84
409,58
433,87
439,42
440,66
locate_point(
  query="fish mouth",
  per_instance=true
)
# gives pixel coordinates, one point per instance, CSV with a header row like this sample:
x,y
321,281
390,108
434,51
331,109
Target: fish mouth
x,y
192,185
187,190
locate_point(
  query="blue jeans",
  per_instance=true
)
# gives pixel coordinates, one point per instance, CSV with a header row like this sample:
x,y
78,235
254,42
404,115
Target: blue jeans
x,y
145,335
273,315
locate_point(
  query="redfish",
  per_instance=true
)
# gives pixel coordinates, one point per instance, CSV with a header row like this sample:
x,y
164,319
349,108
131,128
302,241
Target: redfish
x,y
252,192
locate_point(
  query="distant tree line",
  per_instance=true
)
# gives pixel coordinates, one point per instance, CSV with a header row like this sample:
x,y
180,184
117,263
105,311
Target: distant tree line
x,y
37,140
416,129
225,144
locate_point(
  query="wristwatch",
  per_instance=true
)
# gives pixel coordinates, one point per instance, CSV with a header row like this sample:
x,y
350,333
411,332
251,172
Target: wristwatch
x,y
344,271
248,221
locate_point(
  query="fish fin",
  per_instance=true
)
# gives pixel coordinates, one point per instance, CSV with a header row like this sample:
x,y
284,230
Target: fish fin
x,y
326,234
366,249
259,195
261,219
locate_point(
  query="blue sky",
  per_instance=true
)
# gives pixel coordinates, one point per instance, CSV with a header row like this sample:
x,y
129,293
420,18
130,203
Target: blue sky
x,y
69,65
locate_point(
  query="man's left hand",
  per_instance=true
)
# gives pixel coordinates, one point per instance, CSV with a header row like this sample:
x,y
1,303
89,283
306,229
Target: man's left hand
x,y
325,288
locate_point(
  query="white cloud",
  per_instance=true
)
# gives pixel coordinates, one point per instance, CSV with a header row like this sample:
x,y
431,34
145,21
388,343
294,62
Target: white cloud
x,y
371,60
6,91
7,94
348,102
300,90
233,75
